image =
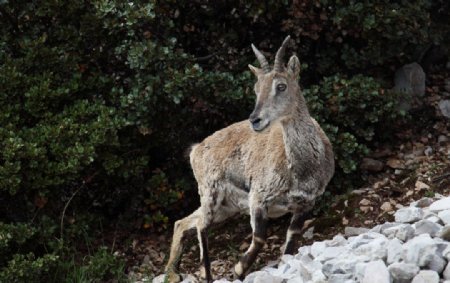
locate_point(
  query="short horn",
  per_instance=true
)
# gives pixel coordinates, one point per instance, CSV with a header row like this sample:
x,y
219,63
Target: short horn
x,y
262,60
278,65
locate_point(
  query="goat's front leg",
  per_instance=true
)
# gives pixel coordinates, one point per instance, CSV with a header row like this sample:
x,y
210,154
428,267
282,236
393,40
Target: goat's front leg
x,y
210,204
294,232
258,218
182,228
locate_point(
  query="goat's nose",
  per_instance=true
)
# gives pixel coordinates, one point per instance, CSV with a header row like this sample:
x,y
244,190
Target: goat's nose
x,y
254,119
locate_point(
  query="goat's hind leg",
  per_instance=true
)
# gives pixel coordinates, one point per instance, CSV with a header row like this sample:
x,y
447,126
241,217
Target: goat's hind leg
x,y
294,231
182,229
205,263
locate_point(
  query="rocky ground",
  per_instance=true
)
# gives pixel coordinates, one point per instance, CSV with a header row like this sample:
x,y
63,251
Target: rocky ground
x,y
414,248
416,166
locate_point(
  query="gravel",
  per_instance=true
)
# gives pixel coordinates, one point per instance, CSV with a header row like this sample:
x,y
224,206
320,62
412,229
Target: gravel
x,y
415,249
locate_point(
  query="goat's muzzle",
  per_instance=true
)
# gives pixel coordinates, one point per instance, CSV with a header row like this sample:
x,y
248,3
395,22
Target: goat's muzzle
x,y
258,124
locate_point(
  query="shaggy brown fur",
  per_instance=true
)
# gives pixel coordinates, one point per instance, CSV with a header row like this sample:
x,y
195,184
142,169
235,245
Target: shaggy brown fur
x,y
278,161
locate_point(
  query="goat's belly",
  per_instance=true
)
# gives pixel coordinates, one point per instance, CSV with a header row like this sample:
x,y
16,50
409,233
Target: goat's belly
x,y
277,210
283,205
236,200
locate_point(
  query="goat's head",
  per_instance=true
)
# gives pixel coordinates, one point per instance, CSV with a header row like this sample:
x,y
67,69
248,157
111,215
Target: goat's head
x,y
276,90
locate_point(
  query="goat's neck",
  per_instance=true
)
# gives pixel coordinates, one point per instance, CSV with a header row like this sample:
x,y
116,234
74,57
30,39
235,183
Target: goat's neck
x,y
298,130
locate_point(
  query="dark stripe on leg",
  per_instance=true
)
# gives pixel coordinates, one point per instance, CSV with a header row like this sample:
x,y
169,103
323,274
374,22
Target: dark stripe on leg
x,y
205,256
291,244
258,240
294,231
260,225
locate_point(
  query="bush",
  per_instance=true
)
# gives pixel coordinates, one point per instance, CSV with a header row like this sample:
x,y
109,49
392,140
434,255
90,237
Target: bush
x,y
31,254
352,112
362,36
100,99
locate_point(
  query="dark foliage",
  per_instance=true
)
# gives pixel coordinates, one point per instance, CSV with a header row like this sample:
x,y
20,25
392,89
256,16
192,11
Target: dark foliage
x,y
99,100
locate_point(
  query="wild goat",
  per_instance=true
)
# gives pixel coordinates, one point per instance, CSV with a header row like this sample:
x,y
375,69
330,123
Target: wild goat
x,y
277,161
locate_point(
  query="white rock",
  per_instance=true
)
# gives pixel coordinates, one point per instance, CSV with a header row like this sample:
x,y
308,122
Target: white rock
x,y
342,265
423,202
355,242
419,250
444,106
403,272
303,271
446,253
437,263
426,276
427,227
339,278
286,258
285,271
302,267
304,250
354,231
444,215
439,196
410,79
337,241
445,233
388,225
296,279
261,277
318,277
317,248
159,279
404,232
394,251
376,272
446,272
187,278
331,252
376,229
309,234
408,214
375,249
428,151
433,218
310,265
441,245
360,270
440,205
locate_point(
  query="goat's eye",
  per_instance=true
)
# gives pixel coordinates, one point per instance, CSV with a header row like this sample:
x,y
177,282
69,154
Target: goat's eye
x,y
281,87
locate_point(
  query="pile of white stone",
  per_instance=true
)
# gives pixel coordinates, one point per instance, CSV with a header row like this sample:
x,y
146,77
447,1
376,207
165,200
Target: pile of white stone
x,y
415,248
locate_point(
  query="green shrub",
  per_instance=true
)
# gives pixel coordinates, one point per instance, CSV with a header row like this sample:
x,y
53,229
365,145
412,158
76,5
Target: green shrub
x,y
28,268
102,266
362,36
31,254
352,111
99,100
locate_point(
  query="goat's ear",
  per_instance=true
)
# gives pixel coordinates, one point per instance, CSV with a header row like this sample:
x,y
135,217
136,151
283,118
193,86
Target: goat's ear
x,y
294,66
255,71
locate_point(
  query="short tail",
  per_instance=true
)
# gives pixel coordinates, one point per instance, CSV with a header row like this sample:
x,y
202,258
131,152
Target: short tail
x,y
187,152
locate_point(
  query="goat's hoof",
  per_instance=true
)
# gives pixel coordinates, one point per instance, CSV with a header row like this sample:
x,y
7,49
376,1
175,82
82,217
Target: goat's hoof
x,y
238,271
173,277
204,276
